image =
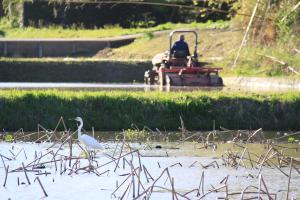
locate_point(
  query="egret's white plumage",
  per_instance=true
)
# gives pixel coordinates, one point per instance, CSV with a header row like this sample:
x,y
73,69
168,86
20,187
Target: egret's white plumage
x,y
88,141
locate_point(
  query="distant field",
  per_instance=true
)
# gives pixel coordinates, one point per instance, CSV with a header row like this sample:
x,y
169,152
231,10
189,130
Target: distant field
x,y
108,31
117,110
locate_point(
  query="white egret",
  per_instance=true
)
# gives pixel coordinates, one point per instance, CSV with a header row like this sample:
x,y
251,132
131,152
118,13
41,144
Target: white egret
x,y
89,142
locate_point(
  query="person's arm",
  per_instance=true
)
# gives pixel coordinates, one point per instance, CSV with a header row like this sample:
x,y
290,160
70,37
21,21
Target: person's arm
x,y
173,48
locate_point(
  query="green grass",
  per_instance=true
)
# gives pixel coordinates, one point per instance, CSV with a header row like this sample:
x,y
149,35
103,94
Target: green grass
x,y
117,110
260,61
107,31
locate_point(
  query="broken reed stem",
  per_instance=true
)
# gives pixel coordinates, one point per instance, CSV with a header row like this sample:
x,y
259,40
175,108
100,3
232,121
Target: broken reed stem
x,y
262,163
266,188
128,188
214,190
201,185
3,161
121,185
24,169
6,174
132,180
117,165
71,149
44,191
147,174
289,181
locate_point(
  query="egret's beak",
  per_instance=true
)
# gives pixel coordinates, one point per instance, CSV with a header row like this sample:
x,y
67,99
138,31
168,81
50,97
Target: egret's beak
x,y
71,118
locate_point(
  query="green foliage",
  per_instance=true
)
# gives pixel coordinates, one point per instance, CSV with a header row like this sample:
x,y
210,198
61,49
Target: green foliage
x,y
291,140
149,35
279,13
14,11
286,20
8,138
136,134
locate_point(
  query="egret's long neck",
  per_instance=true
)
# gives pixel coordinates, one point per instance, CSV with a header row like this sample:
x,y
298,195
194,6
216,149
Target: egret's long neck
x,y
79,129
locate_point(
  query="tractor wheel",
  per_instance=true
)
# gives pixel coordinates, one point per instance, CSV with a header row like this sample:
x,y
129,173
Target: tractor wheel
x,y
220,81
149,77
168,81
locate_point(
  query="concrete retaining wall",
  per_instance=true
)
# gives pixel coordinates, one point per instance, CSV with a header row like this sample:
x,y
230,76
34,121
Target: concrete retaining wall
x,y
73,71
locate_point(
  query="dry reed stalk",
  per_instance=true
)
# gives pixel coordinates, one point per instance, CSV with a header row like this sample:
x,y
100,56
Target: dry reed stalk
x,y
265,186
254,133
18,153
262,163
176,164
3,161
118,160
169,190
210,165
147,174
225,179
249,156
25,172
171,179
27,135
132,179
113,160
25,155
71,149
214,190
250,192
44,191
6,174
174,196
140,163
12,154
226,192
128,188
139,179
289,181
241,158
193,164
115,150
201,185
118,187
7,158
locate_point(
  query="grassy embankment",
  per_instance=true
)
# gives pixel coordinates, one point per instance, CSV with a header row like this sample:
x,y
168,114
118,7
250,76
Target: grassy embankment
x,y
117,110
219,48
78,70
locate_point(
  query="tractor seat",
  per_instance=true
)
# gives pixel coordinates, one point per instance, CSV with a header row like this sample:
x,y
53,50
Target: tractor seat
x,y
180,54
180,62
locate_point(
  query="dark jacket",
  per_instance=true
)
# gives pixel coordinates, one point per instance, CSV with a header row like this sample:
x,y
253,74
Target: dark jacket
x,y
180,46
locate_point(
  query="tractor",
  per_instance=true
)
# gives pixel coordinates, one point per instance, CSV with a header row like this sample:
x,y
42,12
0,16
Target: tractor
x,y
177,69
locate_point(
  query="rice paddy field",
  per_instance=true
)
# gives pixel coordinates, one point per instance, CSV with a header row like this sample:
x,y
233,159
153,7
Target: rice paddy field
x,y
118,110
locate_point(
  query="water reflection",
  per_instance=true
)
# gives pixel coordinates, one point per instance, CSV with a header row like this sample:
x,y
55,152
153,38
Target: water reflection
x,y
136,87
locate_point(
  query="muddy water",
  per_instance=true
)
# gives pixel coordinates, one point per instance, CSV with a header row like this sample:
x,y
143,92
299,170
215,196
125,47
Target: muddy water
x,y
187,174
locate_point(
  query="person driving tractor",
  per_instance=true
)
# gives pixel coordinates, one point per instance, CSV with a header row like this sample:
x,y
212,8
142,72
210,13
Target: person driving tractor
x,y
180,49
